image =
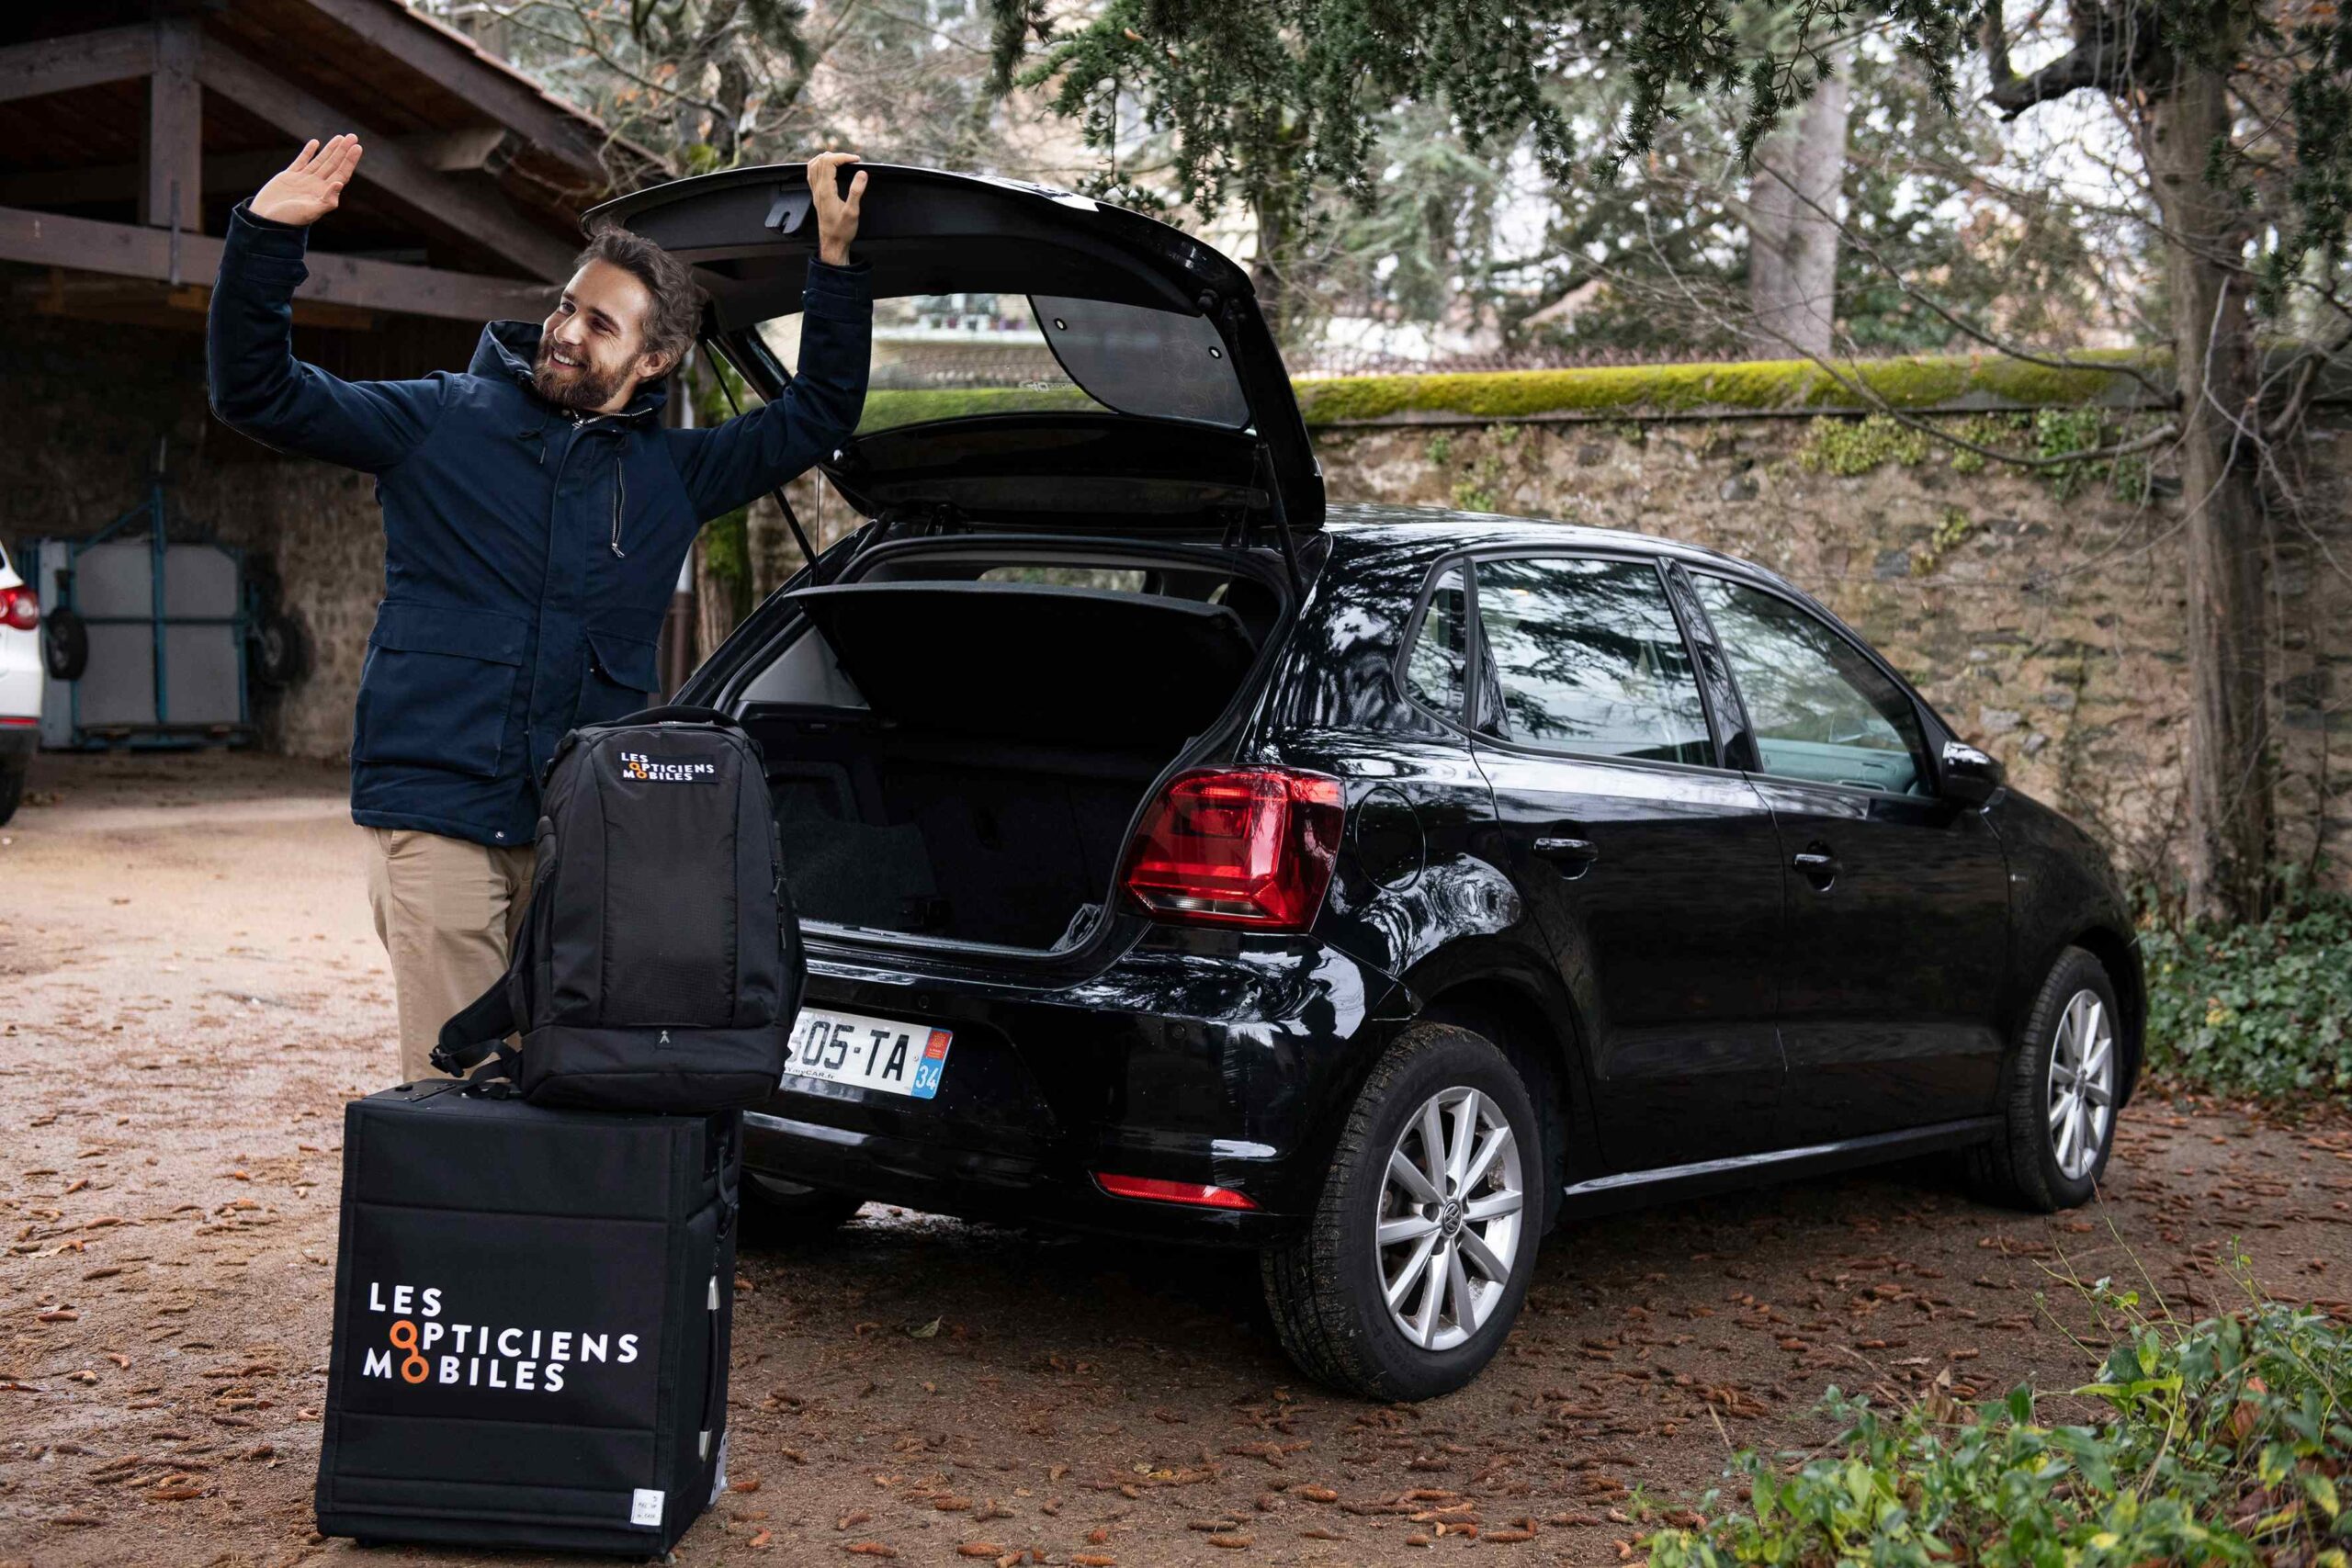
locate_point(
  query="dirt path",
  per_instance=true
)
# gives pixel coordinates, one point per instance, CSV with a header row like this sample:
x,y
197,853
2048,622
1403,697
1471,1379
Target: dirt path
x,y
189,988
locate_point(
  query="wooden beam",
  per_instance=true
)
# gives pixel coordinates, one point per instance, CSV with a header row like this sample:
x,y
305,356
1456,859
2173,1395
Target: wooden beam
x,y
86,297
450,60
126,250
483,217
77,60
170,186
484,149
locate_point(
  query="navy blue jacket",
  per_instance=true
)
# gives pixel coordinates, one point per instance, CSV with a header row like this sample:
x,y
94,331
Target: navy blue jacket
x,y
529,551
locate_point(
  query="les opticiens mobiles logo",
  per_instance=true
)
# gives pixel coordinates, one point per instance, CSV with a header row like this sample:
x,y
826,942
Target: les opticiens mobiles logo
x,y
421,1346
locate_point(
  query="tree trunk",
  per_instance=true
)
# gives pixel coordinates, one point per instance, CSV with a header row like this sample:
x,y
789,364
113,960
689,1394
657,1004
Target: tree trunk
x,y
1269,271
715,608
1793,228
2230,768
774,556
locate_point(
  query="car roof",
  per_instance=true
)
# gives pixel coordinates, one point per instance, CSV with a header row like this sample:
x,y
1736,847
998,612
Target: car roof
x,y
1433,531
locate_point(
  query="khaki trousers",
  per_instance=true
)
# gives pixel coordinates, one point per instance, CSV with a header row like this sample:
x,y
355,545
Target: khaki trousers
x,y
447,910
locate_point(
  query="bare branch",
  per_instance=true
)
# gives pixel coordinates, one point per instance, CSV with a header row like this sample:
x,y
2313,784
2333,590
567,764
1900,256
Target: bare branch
x,y
2107,48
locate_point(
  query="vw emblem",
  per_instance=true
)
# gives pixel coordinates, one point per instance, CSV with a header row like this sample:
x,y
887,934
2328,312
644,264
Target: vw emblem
x,y
1450,1220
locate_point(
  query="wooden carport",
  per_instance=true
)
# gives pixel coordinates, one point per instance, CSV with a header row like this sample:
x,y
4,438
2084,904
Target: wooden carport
x,y
128,130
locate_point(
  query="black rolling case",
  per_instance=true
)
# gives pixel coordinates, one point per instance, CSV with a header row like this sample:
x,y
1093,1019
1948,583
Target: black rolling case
x,y
531,1319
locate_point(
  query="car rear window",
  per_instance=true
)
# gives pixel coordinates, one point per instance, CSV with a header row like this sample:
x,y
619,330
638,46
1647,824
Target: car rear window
x,y
950,355
1590,659
1107,580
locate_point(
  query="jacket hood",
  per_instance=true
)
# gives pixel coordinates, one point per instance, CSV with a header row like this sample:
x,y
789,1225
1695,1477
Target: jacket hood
x,y
509,349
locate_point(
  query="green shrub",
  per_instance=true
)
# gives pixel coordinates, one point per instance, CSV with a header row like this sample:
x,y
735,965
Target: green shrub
x,y
2226,1442
2257,1009
1846,447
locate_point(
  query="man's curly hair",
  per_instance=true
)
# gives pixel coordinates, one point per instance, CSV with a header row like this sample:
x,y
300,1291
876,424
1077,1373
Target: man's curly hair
x,y
677,302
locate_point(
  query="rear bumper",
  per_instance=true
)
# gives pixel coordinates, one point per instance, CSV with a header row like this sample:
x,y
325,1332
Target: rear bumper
x,y
17,739
1205,1057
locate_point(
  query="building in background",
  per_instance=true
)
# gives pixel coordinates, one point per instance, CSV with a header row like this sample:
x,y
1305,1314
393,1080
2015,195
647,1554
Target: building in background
x,y
129,129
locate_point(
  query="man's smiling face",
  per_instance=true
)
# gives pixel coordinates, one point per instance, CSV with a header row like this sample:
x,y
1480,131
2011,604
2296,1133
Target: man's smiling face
x,y
592,349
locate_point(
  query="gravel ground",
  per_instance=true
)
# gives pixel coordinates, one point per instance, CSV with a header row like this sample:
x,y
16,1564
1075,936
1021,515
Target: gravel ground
x,y
190,989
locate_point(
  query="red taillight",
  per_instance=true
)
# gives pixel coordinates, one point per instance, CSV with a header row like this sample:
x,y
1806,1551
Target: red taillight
x,y
20,608
1249,846
1194,1192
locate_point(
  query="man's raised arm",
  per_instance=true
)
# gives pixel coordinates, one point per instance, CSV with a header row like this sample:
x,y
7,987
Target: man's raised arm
x,y
257,384
732,464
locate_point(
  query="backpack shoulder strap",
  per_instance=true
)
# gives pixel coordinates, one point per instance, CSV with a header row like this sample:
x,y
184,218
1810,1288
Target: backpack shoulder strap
x,y
482,1026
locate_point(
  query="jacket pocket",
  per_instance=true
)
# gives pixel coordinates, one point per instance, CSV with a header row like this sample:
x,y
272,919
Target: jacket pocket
x,y
623,675
437,688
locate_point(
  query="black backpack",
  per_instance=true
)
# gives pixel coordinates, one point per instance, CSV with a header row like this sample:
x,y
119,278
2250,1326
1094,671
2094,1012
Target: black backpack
x,y
658,966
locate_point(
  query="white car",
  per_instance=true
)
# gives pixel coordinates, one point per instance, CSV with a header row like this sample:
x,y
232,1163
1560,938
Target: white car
x,y
20,682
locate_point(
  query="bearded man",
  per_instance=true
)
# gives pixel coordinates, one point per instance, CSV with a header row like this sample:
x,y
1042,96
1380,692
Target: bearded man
x,y
536,511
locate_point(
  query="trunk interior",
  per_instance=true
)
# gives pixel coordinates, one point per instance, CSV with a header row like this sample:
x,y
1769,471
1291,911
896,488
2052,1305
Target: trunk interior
x,y
956,745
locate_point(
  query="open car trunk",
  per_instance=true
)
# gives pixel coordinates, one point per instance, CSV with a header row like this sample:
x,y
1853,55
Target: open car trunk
x,y
963,760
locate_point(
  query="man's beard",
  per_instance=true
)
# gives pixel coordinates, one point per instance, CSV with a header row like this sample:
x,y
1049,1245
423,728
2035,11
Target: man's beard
x,y
581,388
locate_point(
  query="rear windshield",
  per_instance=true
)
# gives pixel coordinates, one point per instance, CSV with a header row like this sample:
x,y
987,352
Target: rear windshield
x,y
949,355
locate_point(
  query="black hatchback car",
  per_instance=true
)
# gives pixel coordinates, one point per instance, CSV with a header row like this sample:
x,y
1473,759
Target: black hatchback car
x,y
1183,859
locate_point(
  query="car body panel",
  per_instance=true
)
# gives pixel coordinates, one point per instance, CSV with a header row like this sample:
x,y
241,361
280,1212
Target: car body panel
x,y
1668,940
21,677
1194,1056
1892,1005
2064,893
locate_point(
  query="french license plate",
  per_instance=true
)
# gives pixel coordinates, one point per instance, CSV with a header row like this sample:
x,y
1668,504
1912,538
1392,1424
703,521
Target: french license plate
x,y
871,1052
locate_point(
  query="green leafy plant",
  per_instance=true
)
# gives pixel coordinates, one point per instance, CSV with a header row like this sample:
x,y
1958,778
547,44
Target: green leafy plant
x,y
1953,530
2225,1442
1846,447
2257,1008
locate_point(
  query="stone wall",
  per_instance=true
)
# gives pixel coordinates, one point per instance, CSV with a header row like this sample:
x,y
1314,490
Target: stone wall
x,y
2046,626
84,406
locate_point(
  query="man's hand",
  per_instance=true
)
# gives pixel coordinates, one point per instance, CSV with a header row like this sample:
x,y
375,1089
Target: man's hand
x,y
311,185
836,213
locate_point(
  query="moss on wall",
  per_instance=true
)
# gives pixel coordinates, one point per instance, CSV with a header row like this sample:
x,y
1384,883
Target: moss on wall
x,y
1919,381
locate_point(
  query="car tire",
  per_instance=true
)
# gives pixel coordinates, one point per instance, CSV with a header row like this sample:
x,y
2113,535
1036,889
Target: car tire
x,y
1328,1287
12,788
64,645
279,651
777,1213
2059,1094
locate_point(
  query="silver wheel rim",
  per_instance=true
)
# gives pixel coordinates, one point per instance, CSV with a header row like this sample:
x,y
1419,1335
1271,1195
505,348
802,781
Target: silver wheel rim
x,y
1449,1227
2081,1092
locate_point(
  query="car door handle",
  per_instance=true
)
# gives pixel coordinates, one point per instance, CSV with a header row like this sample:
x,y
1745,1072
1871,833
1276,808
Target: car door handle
x,y
1570,852
1816,864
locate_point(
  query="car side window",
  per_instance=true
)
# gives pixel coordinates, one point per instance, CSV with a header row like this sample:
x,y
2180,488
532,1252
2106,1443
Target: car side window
x,y
1819,710
1440,660
1589,658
